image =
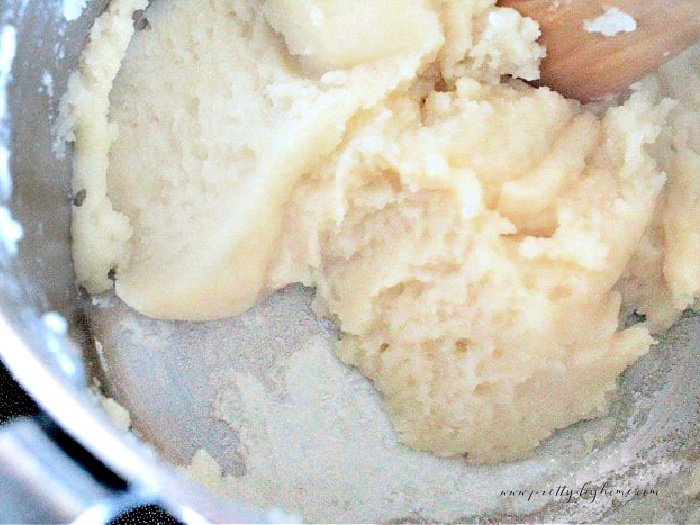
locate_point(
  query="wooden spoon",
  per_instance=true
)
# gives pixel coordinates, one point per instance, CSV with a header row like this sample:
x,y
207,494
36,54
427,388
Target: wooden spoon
x,y
586,65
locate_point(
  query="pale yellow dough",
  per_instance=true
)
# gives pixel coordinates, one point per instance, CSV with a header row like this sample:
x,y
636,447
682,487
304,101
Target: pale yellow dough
x,y
474,237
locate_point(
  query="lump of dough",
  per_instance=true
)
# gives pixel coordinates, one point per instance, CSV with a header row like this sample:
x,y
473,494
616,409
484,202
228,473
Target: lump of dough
x,y
101,232
212,127
663,277
482,332
337,34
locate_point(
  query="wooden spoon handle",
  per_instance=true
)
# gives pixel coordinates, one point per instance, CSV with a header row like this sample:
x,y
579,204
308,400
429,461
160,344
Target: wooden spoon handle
x,y
588,66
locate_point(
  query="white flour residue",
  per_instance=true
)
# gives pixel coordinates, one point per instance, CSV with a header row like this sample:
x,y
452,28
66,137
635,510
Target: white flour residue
x,y
10,232
328,450
206,470
317,443
8,46
47,82
120,416
56,330
99,350
692,488
611,23
72,9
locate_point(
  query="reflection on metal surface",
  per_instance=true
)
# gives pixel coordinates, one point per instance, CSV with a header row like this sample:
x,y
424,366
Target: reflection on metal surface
x,y
40,483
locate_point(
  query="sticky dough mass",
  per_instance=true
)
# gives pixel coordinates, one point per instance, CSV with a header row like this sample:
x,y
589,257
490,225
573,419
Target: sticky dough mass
x,y
476,239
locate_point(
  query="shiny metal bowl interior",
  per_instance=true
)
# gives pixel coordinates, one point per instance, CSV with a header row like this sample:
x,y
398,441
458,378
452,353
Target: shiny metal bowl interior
x,y
168,373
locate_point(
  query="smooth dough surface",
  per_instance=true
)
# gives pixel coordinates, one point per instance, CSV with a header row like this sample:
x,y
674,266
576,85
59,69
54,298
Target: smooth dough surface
x,y
476,239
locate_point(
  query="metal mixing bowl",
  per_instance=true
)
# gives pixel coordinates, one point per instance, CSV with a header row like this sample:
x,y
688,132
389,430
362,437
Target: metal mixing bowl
x,y
167,374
